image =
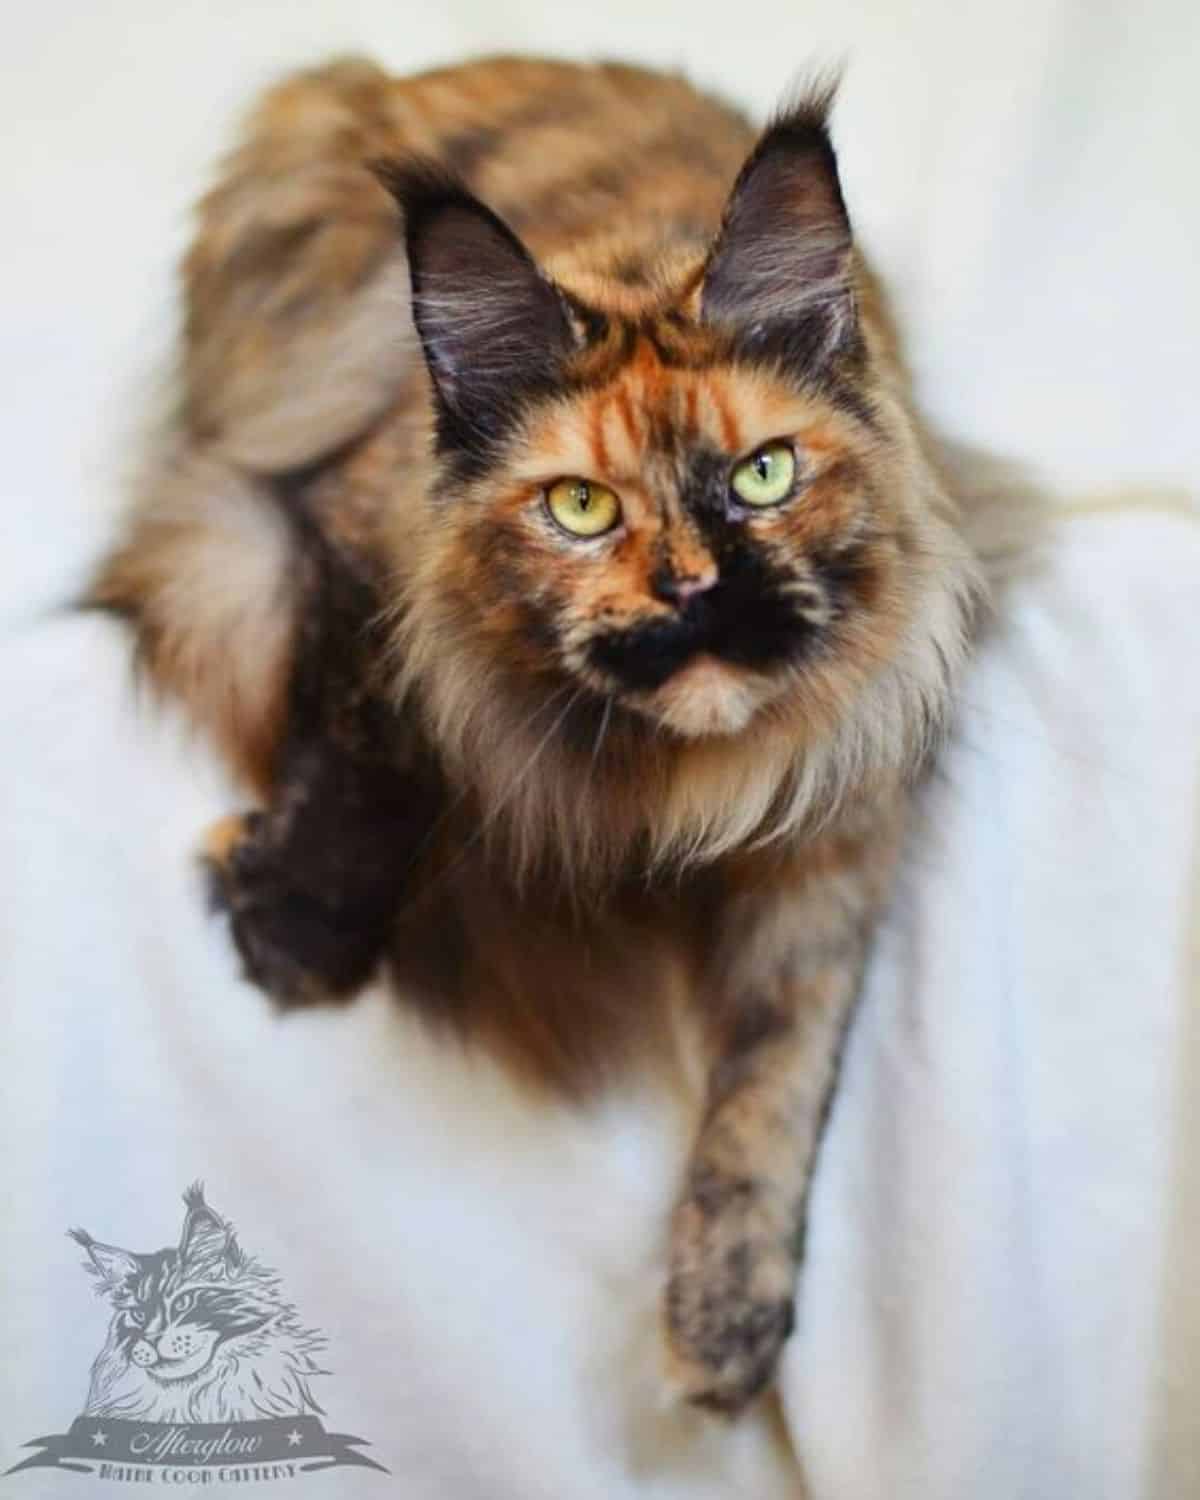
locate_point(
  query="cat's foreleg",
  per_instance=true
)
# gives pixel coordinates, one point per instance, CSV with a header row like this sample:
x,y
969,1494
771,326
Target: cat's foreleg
x,y
312,882
789,969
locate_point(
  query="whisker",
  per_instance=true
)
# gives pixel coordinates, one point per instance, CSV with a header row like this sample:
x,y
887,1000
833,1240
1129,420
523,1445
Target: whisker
x,y
602,731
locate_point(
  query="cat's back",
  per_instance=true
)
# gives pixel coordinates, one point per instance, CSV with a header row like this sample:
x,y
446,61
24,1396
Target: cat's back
x,y
302,404
296,269
559,149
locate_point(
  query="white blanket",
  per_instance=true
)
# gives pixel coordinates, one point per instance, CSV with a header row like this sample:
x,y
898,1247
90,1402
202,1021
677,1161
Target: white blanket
x,y
999,1299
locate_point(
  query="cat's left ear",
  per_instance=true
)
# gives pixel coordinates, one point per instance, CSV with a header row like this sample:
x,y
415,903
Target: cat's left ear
x,y
494,328
780,274
110,1265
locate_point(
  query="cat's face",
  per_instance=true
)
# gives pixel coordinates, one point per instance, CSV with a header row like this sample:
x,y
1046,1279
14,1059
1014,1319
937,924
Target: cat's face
x,y
170,1319
173,1309
670,511
672,496
682,540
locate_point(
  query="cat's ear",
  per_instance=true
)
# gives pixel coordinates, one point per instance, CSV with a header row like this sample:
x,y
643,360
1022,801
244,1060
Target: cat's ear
x,y
780,274
204,1234
493,327
110,1266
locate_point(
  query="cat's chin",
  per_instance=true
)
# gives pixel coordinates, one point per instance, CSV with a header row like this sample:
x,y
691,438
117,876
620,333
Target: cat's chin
x,y
707,699
170,1371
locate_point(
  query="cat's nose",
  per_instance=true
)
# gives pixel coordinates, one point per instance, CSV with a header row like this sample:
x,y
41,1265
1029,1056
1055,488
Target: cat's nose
x,y
678,588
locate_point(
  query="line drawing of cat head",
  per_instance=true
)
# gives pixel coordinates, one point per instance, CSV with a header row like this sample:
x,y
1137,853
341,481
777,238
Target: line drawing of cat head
x,y
199,1333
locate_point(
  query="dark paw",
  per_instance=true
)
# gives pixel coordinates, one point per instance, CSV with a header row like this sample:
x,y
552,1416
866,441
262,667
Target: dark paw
x,y
293,944
729,1304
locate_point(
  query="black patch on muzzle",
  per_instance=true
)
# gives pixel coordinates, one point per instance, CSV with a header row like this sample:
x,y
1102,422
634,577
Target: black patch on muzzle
x,y
744,619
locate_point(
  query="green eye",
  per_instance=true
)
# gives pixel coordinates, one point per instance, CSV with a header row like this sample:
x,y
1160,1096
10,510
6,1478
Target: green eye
x,y
583,507
766,477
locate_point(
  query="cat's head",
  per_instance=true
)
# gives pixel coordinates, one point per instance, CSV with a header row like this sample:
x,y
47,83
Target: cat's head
x,y
173,1309
679,509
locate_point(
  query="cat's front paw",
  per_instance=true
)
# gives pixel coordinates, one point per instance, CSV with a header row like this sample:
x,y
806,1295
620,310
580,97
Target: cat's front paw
x,y
729,1302
297,947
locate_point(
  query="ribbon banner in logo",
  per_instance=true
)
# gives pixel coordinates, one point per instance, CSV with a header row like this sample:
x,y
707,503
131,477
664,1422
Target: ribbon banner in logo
x,y
278,1447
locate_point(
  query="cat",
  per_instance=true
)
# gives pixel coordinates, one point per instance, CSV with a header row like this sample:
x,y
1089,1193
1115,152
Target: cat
x,y
199,1333
548,539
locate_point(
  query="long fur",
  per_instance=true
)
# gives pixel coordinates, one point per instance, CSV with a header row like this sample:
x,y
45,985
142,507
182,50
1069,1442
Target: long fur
x,y
568,789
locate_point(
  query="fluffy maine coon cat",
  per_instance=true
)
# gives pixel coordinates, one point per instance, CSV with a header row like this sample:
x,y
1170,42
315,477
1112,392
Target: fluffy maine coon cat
x,y
200,1331
546,537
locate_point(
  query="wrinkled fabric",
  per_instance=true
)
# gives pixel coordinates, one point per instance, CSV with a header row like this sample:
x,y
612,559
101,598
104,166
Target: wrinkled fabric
x,y
998,1297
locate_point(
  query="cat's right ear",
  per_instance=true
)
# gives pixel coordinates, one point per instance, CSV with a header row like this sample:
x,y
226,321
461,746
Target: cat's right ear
x,y
109,1265
780,277
493,327
205,1233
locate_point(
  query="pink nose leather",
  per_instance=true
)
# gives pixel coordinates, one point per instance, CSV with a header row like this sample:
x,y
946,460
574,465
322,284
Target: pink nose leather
x,y
675,590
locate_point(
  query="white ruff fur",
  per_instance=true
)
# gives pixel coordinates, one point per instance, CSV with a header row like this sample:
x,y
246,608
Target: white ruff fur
x,y
708,698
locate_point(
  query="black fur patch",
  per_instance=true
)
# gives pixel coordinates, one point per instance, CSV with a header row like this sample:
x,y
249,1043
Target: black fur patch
x,y
312,887
746,618
852,576
786,214
494,329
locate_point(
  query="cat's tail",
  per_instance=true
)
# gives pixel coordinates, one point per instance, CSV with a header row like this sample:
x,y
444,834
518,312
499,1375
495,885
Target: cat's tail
x,y
297,338
210,577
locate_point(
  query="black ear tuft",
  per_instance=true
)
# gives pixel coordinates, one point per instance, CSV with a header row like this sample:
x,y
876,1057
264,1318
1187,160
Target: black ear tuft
x,y
780,273
204,1231
493,327
193,1195
108,1264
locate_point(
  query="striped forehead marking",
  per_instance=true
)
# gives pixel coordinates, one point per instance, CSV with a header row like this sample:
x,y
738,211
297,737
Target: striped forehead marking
x,y
731,435
627,417
649,408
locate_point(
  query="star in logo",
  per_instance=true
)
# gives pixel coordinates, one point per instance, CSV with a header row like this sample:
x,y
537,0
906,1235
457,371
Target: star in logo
x,y
294,1438
99,1437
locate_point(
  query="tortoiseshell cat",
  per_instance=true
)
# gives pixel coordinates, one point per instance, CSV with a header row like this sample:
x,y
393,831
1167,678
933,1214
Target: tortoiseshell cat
x,y
582,666
200,1332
